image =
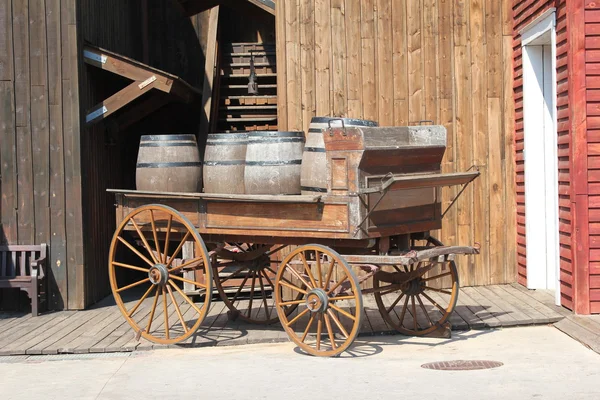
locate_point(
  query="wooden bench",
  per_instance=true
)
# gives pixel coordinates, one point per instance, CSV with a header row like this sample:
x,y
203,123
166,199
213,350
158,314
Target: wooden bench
x,y
24,267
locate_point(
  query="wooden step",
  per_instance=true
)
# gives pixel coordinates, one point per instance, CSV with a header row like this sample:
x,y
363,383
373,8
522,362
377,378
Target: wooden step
x,y
248,108
263,119
259,75
269,86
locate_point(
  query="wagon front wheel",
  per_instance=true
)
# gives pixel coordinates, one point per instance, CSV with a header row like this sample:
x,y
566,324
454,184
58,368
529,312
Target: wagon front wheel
x,y
329,312
146,271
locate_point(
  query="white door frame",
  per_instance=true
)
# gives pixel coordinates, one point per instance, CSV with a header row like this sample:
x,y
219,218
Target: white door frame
x,y
538,41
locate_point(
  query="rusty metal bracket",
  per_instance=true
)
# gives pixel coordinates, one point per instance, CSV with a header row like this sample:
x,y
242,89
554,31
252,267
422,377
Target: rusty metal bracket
x,y
461,190
343,126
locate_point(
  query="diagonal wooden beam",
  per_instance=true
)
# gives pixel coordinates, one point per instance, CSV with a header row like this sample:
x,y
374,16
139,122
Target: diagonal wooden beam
x,y
117,101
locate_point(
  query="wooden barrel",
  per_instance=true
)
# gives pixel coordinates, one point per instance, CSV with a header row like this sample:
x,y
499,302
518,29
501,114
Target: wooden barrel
x,y
314,161
169,163
224,162
273,162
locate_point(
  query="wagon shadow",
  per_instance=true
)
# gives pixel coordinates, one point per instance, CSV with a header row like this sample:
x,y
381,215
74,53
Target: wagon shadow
x,y
368,346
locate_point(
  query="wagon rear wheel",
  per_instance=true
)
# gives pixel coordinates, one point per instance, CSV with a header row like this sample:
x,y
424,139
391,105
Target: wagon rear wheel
x,y
329,313
421,305
146,269
245,276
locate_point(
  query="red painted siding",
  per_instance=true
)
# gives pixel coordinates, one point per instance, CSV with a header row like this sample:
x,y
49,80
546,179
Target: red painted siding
x,y
524,12
592,69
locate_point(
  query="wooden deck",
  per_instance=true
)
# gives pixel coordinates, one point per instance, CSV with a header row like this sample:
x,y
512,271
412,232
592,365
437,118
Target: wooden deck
x,y
103,329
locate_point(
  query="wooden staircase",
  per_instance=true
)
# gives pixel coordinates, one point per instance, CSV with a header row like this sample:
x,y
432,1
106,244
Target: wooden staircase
x,y
238,110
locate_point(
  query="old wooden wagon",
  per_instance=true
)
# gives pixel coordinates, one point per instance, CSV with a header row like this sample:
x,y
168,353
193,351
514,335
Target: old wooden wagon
x,y
304,260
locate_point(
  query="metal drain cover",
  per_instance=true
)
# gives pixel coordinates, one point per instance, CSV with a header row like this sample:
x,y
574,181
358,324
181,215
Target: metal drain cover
x,y
462,365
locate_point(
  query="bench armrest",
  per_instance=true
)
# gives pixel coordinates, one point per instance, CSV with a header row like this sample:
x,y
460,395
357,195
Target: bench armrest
x,y
38,267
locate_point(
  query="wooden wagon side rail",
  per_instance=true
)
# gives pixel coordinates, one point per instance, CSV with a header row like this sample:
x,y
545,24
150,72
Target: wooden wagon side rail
x,y
443,253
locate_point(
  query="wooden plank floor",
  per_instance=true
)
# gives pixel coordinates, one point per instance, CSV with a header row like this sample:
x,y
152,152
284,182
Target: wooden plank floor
x,y
103,329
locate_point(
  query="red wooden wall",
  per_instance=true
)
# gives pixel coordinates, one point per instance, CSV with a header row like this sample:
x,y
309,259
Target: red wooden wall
x,y
592,69
524,12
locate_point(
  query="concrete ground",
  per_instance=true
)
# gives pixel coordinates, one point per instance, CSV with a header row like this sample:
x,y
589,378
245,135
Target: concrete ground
x,y
539,363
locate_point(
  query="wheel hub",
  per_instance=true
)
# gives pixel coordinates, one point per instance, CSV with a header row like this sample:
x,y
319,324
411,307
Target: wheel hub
x,y
413,287
317,300
158,274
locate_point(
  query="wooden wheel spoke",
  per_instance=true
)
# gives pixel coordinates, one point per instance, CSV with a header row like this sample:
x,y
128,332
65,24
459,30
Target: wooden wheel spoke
x,y
140,255
308,271
338,298
310,321
414,313
291,303
293,287
131,267
437,276
343,312
330,331
190,302
165,254
233,275
319,330
164,293
183,324
319,271
148,248
155,235
403,314
397,269
139,303
251,293
432,301
185,265
202,285
394,303
240,289
133,285
264,295
438,290
295,273
176,253
338,323
329,273
390,289
153,310
337,284
271,252
300,315
424,310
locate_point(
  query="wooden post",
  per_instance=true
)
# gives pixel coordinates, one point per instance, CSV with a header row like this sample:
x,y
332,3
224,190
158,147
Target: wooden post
x,y
209,69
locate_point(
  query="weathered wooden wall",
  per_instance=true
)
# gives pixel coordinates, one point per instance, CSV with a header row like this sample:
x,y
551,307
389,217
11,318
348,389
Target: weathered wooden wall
x,y
402,61
39,137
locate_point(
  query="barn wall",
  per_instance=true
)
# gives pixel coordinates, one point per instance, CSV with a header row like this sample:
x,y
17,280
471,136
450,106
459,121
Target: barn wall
x,y
402,61
39,138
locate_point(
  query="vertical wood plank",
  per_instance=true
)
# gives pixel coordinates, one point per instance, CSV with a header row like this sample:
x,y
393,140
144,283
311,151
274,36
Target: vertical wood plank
x,y
368,54
463,128
497,215
446,43
400,62
430,64
480,142
209,70
57,260
73,201
448,233
293,65
25,209
8,164
53,36
38,55
493,20
6,41
510,201
322,57
416,78
21,61
354,59
339,59
307,56
282,120
40,141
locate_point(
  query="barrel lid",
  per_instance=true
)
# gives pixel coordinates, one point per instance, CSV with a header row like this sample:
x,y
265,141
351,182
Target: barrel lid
x,y
347,121
276,134
167,138
238,135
